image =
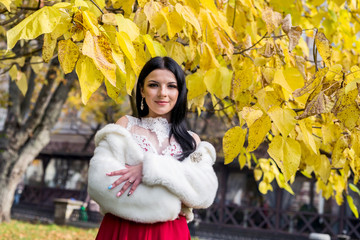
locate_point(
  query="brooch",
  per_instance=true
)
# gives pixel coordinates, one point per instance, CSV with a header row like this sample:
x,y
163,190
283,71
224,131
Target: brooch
x,y
196,157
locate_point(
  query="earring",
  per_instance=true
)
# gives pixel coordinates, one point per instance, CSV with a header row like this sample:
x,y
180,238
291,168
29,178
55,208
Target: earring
x,y
142,104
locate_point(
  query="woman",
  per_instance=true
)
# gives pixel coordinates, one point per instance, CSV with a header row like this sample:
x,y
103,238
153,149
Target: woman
x,y
148,172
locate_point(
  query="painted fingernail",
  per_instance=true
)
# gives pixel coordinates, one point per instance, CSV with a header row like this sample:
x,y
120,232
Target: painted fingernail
x,y
108,174
129,193
118,194
110,187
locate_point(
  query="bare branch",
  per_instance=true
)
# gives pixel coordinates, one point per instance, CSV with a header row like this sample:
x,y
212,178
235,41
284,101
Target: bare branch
x,y
25,105
97,6
247,49
23,55
315,53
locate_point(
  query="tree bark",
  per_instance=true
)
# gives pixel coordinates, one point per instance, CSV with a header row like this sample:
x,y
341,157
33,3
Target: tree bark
x,y
33,135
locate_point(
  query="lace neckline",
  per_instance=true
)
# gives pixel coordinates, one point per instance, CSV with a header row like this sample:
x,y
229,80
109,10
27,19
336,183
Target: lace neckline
x,y
159,125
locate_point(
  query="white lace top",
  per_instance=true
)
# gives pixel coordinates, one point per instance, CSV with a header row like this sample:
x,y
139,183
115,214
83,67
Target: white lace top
x,y
152,134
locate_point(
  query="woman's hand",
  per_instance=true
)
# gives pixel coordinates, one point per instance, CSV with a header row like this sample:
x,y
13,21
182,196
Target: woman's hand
x,y
132,175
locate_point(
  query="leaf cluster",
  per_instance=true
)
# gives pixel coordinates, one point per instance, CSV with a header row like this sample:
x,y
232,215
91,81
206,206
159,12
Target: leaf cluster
x,y
283,73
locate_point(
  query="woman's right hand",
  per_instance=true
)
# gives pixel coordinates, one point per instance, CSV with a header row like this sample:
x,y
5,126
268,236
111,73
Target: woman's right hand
x,y
131,175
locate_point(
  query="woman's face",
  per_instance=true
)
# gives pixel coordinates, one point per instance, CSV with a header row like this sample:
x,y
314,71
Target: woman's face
x,y
160,92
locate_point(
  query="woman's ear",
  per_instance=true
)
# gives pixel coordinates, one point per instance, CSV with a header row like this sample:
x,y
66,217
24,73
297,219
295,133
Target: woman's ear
x,y
142,92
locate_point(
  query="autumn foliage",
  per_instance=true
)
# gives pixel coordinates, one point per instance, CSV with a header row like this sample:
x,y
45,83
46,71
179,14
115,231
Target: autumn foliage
x,y
285,71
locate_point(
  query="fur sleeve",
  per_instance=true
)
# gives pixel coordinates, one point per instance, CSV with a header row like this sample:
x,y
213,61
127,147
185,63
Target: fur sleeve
x,y
148,204
193,180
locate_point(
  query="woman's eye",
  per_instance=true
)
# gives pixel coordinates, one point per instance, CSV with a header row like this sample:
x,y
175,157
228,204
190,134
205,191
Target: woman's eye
x,y
152,85
173,86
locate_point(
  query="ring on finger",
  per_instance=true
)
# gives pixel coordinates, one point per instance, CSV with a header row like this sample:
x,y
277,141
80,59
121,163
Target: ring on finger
x,y
131,182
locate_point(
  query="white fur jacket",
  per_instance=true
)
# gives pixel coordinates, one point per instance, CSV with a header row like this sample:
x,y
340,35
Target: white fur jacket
x,y
166,182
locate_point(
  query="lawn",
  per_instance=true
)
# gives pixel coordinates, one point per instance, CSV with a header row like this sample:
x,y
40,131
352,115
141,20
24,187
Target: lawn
x,y
17,230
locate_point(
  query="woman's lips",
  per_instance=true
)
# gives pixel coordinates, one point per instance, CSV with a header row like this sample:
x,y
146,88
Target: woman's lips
x,y
161,102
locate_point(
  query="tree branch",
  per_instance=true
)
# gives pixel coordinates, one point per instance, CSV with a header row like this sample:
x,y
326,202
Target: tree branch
x,y
53,109
25,105
97,6
247,49
23,55
315,53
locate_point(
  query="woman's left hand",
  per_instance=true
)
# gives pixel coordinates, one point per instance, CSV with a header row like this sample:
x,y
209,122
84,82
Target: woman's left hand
x,y
131,175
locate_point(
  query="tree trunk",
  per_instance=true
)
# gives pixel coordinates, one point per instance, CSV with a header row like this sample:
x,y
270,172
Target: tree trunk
x,y
15,157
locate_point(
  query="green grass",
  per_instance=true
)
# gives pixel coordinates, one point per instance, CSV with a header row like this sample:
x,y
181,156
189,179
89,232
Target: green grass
x,y
18,230
27,231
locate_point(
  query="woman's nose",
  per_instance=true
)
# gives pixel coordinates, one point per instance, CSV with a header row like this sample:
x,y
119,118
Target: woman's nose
x,y
163,91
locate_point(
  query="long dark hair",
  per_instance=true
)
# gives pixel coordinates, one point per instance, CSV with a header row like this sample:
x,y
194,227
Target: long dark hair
x,y
178,113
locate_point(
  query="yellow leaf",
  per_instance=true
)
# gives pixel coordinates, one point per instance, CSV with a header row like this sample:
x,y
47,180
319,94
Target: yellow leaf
x,y
354,188
176,51
115,92
268,177
244,77
286,23
352,85
118,57
294,37
257,132
324,47
109,18
68,55
207,59
264,187
40,22
325,188
242,160
233,142
154,47
337,157
272,19
218,81
310,84
174,21
264,164
128,49
268,74
352,206
130,77
152,10
260,61
268,99
197,103
293,79
90,23
195,84
20,79
90,78
317,104
257,174
330,133
48,47
322,167
36,64
81,4
287,153
98,48
6,3
250,115
126,5
284,119
307,136
127,26
100,3
335,72
189,16
346,108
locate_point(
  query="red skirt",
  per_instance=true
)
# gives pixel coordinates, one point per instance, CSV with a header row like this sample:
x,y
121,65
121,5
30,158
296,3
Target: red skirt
x,y
115,228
